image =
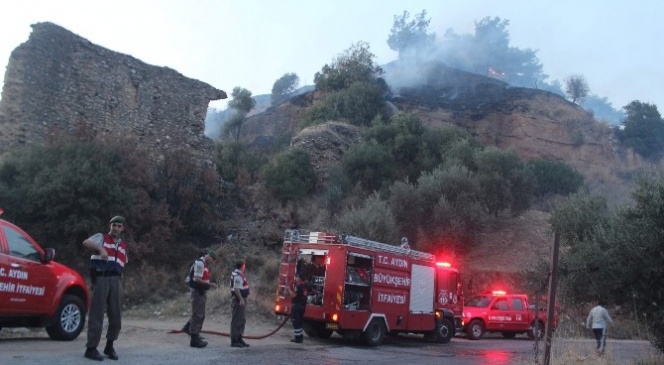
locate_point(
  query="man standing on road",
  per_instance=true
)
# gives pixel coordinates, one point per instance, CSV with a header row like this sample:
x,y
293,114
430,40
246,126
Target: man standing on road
x,y
106,267
239,293
597,320
199,282
298,306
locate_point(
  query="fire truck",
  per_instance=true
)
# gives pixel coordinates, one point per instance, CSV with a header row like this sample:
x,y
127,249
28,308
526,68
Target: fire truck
x,y
364,289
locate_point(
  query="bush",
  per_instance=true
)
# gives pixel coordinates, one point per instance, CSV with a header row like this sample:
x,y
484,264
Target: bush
x,y
290,176
554,177
374,221
368,164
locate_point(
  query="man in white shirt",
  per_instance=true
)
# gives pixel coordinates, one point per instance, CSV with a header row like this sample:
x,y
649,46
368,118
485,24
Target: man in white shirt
x,y
597,320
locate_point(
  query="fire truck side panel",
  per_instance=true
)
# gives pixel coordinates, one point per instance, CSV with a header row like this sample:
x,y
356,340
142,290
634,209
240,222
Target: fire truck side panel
x,y
421,289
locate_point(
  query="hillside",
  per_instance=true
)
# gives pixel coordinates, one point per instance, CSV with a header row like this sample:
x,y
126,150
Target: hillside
x,y
533,123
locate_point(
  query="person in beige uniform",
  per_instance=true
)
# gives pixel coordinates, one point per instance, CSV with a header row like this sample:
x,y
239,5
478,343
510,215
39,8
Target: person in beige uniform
x,y
239,294
106,268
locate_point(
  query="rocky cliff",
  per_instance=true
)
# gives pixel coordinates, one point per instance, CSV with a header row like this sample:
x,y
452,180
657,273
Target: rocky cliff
x,y
58,82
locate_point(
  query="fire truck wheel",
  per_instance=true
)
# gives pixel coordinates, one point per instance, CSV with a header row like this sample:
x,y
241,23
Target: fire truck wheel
x,y
475,329
375,332
443,332
69,319
536,330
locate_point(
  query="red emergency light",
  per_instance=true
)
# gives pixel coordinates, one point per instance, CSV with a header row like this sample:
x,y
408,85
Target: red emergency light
x,y
498,292
327,260
444,264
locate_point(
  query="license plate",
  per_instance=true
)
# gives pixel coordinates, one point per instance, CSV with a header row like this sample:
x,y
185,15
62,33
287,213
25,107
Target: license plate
x,y
332,326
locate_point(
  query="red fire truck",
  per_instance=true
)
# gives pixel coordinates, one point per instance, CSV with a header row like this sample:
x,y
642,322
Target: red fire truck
x,y
364,289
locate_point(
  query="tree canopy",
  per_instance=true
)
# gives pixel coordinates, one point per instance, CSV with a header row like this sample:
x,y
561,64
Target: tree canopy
x,y
643,130
284,87
409,37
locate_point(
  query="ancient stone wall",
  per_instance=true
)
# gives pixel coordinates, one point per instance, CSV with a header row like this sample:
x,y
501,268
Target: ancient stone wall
x,y
59,82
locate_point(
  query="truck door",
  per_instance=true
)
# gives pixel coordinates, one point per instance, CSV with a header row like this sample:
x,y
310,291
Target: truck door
x,y
519,313
499,317
31,282
5,285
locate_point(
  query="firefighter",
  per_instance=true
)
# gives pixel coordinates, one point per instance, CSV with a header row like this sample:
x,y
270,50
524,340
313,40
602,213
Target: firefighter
x,y
239,294
199,282
598,319
298,305
106,267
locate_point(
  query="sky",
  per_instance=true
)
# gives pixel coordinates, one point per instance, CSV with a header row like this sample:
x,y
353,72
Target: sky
x,y
614,44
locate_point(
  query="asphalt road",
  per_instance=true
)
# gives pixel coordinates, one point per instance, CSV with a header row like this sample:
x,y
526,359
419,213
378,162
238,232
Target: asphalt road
x,y
148,343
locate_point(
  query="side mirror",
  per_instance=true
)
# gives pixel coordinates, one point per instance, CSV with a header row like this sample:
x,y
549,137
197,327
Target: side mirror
x,y
49,255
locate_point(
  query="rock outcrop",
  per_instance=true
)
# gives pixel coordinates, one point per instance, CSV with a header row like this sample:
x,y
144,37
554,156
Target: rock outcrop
x,y
59,82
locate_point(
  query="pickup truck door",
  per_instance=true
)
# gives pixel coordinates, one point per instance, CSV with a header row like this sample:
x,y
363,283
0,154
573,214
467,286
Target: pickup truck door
x,y
30,282
520,314
500,317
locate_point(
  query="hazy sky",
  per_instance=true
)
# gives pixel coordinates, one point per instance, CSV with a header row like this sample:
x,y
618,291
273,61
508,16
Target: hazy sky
x,y
615,44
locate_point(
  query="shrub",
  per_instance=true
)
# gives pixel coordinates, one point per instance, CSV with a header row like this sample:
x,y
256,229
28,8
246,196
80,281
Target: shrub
x,y
290,176
374,220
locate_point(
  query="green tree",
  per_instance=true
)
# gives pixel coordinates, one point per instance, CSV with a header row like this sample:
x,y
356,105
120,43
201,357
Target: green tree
x,y
409,37
373,220
576,88
555,177
242,100
356,64
368,164
284,88
643,130
505,183
290,176
579,217
242,103
488,52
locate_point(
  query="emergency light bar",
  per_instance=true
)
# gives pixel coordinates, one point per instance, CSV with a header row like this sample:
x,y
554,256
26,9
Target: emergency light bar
x,y
498,292
443,264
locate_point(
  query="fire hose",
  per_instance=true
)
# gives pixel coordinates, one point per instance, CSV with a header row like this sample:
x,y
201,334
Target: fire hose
x,y
243,336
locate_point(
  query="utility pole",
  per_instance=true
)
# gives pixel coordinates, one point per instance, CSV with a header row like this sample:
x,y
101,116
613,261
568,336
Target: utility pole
x,y
551,305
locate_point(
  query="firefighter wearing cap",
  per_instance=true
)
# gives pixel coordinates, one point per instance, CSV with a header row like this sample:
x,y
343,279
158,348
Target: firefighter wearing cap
x,y
199,282
239,294
106,267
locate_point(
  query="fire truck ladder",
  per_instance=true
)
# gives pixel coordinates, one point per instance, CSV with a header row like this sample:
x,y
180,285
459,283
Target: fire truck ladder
x,y
384,247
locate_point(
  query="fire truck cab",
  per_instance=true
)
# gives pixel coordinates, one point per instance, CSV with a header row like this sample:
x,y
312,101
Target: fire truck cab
x,y
364,289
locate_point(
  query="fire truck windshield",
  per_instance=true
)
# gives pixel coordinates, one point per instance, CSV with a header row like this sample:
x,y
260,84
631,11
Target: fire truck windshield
x,y
481,301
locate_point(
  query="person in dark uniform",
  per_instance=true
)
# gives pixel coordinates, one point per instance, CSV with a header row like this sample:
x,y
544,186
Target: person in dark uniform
x,y
298,306
239,293
106,267
199,282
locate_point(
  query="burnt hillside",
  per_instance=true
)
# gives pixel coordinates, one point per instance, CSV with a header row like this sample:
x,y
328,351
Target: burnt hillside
x,y
534,123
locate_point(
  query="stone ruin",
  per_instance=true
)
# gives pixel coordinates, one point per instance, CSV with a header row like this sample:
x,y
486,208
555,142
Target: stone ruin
x,y
59,82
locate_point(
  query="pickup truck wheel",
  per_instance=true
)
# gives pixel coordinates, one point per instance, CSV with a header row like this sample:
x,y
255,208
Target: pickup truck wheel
x,y
536,331
475,329
69,319
375,333
509,334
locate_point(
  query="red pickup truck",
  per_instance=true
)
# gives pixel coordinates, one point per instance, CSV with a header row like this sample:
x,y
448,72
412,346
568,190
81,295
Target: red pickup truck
x,y
509,314
36,291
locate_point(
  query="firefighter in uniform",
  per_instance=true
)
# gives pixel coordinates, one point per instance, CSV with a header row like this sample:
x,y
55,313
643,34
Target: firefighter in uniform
x,y
298,305
199,282
239,293
106,267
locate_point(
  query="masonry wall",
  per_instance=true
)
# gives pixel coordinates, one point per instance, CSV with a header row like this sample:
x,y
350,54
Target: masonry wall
x,y
59,82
